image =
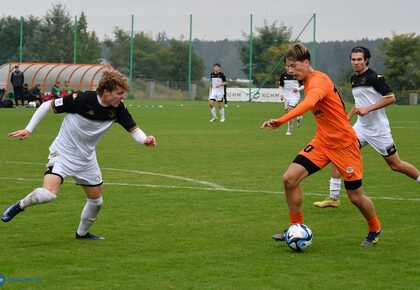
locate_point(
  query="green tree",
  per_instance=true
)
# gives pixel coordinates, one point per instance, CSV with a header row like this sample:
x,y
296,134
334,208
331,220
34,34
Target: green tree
x,y
268,41
179,51
119,48
56,34
269,59
9,35
401,56
88,46
153,59
33,45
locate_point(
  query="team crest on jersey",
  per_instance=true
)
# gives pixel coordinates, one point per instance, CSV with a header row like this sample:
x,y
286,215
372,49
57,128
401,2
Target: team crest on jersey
x,y
112,114
74,96
363,80
58,102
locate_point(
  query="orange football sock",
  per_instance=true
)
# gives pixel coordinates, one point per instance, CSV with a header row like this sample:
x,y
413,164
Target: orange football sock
x,y
373,223
296,217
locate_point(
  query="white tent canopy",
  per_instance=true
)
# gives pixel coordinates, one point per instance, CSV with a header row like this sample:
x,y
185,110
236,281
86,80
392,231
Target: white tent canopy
x,y
80,76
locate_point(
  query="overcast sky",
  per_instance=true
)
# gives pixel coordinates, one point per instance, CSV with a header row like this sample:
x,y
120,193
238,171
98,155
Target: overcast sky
x,y
215,19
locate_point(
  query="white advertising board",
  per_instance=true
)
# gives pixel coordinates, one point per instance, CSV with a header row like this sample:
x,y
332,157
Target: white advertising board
x,y
274,95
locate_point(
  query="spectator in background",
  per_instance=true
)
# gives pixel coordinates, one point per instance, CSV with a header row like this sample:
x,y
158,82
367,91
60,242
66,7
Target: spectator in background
x,y
56,90
17,79
2,94
67,89
25,92
35,93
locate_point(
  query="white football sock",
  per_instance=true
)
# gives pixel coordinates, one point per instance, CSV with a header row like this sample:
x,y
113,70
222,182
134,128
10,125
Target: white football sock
x,y
222,113
213,112
38,196
289,126
335,186
418,179
89,214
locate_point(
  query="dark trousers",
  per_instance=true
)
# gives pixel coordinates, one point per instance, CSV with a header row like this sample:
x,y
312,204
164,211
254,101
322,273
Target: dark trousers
x,y
18,94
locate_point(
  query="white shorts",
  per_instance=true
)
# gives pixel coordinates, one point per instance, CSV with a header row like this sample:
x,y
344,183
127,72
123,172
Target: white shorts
x,y
87,174
383,144
216,95
290,103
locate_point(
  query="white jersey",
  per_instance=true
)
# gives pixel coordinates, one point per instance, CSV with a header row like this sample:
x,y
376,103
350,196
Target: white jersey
x,y
216,80
288,83
217,92
369,88
84,125
79,136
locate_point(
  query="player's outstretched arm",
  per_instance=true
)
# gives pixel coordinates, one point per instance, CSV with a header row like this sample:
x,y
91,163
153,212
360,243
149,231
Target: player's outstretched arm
x,y
36,118
351,113
142,138
22,134
150,141
385,101
271,124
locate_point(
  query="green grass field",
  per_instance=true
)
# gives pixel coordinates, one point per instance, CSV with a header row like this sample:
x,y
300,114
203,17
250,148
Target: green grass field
x,y
198,211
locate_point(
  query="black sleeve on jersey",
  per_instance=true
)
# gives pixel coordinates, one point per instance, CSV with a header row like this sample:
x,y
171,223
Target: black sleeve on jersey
x,y
381,86
124,118
222,75
67,104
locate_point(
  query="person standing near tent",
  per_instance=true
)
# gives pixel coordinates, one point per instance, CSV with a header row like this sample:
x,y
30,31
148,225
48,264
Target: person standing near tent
x,y
17,79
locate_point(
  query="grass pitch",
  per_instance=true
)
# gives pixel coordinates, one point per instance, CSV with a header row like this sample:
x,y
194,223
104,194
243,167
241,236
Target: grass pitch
x,y
198,211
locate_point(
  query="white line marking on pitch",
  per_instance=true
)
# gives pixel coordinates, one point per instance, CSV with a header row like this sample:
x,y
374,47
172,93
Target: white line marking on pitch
x,y
212,189
210,184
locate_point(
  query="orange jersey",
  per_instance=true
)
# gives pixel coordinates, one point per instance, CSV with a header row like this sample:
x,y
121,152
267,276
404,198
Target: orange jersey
x,y
322,98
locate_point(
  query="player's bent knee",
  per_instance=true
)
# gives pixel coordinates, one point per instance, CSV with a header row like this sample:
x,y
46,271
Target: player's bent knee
x,y
97,202
42,195
289,180
396,166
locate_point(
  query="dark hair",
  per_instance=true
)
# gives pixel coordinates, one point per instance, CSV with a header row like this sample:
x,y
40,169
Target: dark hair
x,y
364,50
297,52
217,64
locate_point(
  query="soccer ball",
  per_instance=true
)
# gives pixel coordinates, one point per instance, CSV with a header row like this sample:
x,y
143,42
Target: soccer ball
x,y
298,237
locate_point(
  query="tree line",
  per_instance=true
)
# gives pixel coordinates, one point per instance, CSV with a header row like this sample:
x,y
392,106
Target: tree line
x,y
50,39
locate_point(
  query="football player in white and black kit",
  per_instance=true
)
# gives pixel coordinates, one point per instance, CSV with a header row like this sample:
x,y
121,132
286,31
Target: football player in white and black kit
x,y
291,88
88,116
217,91
371,94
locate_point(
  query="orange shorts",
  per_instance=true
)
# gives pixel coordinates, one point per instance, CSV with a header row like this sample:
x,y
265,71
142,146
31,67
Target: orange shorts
x,y
347,160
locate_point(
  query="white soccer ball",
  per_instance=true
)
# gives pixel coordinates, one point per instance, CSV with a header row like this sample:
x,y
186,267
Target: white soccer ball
x,y
298,237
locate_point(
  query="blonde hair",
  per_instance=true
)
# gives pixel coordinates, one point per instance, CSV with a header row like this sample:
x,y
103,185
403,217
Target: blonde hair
x,y
297,52
111,79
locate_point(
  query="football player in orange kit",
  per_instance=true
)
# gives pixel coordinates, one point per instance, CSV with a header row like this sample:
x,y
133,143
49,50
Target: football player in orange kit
x,y
335,141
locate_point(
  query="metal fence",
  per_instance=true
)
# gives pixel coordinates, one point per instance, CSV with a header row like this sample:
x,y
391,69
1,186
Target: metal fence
x,y
203,34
